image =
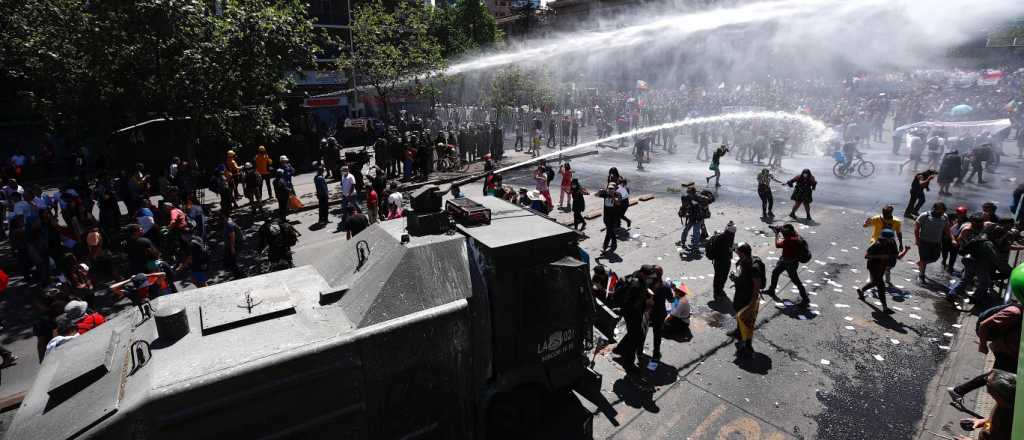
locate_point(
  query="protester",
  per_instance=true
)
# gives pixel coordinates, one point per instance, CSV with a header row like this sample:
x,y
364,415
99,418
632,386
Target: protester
x,y
931,230
283,194
764,192
565,189
612,221
793,251
716,160
881,256
998,330
323,206
805,184
748,280
917,188
719,251
578,204
355,222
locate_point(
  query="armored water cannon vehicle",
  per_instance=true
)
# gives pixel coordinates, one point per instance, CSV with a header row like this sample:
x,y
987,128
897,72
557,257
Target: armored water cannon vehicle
x,y
478,332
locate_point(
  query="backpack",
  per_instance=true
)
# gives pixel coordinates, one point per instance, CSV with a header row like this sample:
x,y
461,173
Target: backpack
x,y
623,290
550,172
711,246
805,251
988,313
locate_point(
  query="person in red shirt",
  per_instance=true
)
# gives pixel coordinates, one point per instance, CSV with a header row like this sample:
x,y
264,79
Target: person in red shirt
x,y
372,204
792,246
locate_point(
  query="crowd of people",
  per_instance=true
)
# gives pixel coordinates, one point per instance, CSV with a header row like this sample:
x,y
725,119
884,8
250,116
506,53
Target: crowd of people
x,y
103,236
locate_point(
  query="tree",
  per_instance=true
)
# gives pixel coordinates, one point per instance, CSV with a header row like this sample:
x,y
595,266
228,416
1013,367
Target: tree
x,y
466,26
92,67
393,49
513,87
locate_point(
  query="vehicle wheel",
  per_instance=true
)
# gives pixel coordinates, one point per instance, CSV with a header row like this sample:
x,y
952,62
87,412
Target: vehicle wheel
x,y
866,169
838,170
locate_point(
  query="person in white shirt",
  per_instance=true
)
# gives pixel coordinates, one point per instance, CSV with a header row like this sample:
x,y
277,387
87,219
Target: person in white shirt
x,y
348,191
68,331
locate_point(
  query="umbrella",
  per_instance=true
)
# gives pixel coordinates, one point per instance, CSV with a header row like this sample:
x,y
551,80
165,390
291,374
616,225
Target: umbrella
x,y
960,110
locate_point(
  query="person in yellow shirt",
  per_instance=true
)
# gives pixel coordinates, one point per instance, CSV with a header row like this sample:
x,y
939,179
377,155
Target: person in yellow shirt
x,y
232,171
885,221
263,163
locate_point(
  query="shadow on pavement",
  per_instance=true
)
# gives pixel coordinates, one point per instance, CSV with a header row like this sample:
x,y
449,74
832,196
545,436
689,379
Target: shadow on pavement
x,y
757,363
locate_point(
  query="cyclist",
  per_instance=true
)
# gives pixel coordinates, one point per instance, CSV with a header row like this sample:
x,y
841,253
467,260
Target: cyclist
x,y
850,152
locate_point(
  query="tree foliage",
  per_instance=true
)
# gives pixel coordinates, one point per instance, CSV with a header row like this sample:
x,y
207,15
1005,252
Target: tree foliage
x,y
393,48
514,87
465,27
92,67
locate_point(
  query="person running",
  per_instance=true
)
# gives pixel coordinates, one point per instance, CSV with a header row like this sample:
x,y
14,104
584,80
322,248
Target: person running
x,y
565,189
803,188
793,246
885,221
577,192
917,188
931,230
748,280
716,160
881,256
764,191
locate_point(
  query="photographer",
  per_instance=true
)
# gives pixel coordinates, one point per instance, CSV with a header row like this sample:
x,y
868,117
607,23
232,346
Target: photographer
x,y
692,213
794,249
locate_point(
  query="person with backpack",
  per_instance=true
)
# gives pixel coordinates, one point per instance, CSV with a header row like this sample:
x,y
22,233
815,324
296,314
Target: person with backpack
x,y
881,256
885,221
692,213
631,295
277,236
748,279
197,259
794,251
719,251
979,258
998,330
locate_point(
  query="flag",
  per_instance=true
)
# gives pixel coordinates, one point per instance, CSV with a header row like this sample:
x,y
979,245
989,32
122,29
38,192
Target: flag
x,y
746,319
613,280
990,77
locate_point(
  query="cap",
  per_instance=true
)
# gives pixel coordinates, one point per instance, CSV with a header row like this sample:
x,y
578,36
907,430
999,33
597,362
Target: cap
x,y
283,158
731,227
75,309
248,165
262,149
231,153
534,195
140,280
961,210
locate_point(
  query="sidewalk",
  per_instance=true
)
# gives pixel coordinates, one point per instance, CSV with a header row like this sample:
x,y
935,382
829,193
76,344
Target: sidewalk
x,y
964,362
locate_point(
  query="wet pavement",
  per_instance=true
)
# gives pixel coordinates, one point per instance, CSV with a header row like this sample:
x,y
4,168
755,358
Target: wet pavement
x,y
843,369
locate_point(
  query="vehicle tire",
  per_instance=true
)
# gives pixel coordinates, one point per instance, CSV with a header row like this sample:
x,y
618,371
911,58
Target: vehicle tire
x,y
866,169
838,170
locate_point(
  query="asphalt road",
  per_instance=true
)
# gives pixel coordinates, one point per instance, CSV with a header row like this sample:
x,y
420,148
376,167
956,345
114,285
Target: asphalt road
x,y
843,370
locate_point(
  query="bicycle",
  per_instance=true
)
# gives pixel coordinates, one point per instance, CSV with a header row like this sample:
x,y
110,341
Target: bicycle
x,y
450,161
863,167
